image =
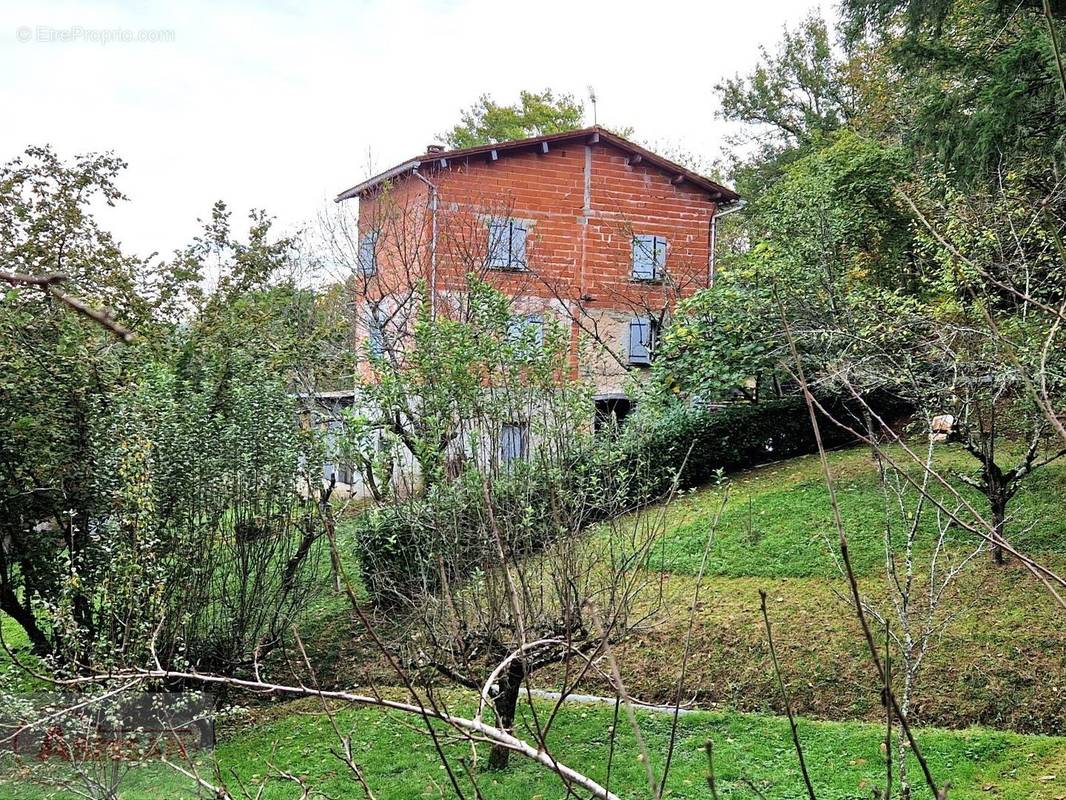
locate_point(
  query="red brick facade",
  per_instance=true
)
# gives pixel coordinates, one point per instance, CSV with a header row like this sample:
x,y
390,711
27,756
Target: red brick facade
x,y
581,198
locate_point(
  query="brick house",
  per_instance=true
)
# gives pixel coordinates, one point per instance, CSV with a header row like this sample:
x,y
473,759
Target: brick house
x,y
586,226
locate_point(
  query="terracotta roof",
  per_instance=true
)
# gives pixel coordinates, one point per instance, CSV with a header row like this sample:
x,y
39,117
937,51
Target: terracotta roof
x,y
596,134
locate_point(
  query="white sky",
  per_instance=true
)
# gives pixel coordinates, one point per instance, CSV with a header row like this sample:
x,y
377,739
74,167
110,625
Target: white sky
x,y
278,105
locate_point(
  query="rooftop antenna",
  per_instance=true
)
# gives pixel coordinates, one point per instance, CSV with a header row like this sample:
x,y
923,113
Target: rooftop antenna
x,y
592,99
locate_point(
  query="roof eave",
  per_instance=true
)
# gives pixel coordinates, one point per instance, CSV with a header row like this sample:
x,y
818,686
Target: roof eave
x,y
370,183
720,194
726,196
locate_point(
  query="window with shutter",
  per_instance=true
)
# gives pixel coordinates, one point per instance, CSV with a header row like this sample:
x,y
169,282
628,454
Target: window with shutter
x,y
649,257
514,441
368,257
507,244
641,340
530,326
376,331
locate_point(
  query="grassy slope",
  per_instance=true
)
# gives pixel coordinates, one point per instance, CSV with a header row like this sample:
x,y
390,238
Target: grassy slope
x,y
777,522
1002,658
1001,661
844,758
12,678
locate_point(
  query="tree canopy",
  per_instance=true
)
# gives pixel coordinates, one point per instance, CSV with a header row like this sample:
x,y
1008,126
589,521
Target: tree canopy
x,y
535,114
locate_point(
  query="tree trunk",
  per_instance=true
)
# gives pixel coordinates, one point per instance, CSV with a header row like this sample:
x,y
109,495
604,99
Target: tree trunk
x,y
902,744
506,703
10,605
998,503
995,485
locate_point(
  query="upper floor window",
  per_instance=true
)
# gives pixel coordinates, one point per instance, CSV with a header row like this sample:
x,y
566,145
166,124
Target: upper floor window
x,y
642,335
507,243
368,254
649,257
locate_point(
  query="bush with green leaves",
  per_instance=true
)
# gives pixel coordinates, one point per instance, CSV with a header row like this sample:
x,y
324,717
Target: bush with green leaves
x,y
233,510
411,546
152,488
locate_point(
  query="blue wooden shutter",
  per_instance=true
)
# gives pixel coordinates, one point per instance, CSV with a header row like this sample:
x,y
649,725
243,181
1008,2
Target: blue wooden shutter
x,y
517,254
499,243
377,334
643,258
659,259
368,263
640,340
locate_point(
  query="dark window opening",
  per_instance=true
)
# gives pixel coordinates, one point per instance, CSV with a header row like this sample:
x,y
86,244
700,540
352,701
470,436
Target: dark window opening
x,y
514,442
611,413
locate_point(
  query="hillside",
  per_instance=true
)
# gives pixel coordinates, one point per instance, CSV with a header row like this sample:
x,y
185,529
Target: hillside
x,y
999,660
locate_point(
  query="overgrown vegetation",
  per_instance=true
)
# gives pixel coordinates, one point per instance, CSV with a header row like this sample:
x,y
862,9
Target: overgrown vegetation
x,y
164,522
996,661
154,481
587,481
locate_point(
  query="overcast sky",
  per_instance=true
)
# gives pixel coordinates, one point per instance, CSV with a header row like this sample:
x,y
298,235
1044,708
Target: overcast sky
x,y
281,105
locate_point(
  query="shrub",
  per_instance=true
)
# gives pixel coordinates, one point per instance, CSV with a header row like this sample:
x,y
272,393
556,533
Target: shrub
x,y
410,547
692,443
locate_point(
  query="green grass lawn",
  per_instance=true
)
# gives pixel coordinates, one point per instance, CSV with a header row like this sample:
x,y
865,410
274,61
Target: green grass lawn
x,y
12,678
1000,660
844,758
778,520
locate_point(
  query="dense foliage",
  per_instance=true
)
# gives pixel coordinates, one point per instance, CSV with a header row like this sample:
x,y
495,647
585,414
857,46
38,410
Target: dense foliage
x,y
152,487
408,546
536,114
904,229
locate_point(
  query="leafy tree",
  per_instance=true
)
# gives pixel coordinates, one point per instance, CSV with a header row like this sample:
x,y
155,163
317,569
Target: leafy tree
x,y
720,342
535,114
791,105
259,304
834,217
988,340
128,469
54,367
932,16
48,227
795,93
833,242
980,79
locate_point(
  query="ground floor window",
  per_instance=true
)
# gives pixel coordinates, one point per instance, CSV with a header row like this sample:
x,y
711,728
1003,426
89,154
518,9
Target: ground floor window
x,y
611,413
514,442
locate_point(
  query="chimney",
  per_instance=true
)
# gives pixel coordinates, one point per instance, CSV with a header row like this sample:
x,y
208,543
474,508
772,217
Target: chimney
x,y
434,148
